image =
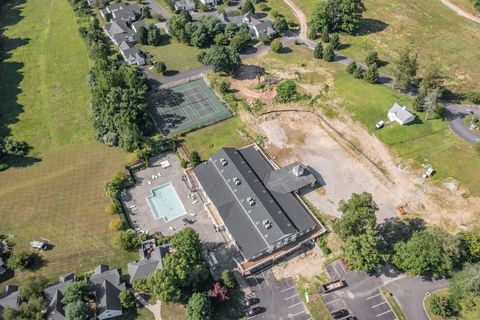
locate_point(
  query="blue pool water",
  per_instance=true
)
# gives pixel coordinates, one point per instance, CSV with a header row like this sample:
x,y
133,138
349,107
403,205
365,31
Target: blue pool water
x,y
165,203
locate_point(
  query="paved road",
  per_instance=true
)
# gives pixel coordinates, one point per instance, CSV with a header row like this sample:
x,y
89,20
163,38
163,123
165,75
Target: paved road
x,y
456,114
410,293
461,12
155,7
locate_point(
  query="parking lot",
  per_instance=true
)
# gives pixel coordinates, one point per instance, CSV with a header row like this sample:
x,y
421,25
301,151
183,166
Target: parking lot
x,y
360,297
280,298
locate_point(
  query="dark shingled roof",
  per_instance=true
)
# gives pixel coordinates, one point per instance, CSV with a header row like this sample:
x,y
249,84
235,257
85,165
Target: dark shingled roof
x,y
245,222
55,310
108,297
10,298
284,180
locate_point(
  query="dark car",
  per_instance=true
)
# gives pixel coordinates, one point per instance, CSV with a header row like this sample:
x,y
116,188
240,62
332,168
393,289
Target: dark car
x,y
246,303
340,313
254,311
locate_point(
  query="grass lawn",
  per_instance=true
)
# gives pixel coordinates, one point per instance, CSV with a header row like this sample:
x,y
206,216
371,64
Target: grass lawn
x,y
165,6
206,141
423,141
177,56
173,311
441,292
46,103
140,313
316,306
439,34
393,303
279,6
466,5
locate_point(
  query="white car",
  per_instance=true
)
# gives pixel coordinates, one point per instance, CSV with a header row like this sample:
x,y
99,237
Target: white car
x,y
380,124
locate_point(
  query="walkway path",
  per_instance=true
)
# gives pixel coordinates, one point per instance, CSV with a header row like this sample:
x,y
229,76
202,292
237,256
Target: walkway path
x,y
461,12
154,308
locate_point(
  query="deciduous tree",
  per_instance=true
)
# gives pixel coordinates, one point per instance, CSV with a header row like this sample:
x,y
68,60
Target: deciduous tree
x,y
199,307
222,59
406,70
358,214
77,311
328,53
365,252
318,52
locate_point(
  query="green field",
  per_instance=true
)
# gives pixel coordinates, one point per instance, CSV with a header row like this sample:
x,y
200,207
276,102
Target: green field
x,y
279,6
423,141
177,56
208,140
439,34
45,101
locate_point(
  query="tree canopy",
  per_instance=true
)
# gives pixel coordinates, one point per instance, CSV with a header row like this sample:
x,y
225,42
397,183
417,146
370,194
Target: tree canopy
x,y
406,70
222,59
77,311
287,91
365,252
358,214
337,16
75,291
199,307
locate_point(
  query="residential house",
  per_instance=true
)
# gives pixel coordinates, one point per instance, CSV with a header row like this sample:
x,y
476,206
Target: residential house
x,y
122,11
137,25
255,202
10,298
188,5
258,26
151,259
210,3
400,114
2,269
3,249
56,309
106,285
119,32
131,55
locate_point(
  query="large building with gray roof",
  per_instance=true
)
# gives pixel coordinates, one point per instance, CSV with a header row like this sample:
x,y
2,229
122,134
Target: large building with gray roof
x,y
255,200
151,259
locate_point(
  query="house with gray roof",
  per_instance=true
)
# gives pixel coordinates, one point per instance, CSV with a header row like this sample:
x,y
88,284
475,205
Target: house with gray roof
x,y
400,114
63,281
258,26
127,13
256,201
118,32
10,298
56,309
106,285
188,5
2,269
151,259
131,55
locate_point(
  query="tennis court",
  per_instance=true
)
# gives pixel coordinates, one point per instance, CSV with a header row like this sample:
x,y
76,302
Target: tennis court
x,y
185,107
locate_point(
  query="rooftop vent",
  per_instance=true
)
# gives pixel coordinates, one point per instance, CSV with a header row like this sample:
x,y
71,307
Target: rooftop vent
x,y
251,201
223,162
267,224
237,181
298,170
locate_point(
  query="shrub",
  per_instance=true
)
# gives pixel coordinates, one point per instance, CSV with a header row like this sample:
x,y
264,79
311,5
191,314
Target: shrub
x,y
328,53
371,76
195,158
116,224
276,46
117,184
440,110
4,166
335,41
160,67
318,52
325,36
441,306
228,279
223,87
183,163
352,67
371,58
477,147
114,207
323,244
264,38
128,240
358,73
127,299
287,91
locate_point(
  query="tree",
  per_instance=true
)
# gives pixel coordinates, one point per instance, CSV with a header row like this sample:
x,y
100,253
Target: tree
x,y
13,147
142,35
365,252
77,311
431,101
441,306
195,158
20,260
218,292
371,76
128,240
179,27
325,36
32,309
337,16
228,279
280,25
287,91
276,45
222,59
352,66
428,252
75,292
358,214
477,5
32,287
116,224
146,12
419,101
318,52
248,7
406,70
328,53
470,245
335,41
221,39
127,299
371,58
358,73
153,37
161,67
199,307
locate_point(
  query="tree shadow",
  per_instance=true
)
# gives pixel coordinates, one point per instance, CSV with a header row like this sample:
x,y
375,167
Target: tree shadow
x,y
394,230
344,46
170,73
38,262
248,72
162,102
368,26
285,50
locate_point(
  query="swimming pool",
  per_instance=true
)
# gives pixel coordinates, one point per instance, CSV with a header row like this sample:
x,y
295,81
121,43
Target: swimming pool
x,y
165,202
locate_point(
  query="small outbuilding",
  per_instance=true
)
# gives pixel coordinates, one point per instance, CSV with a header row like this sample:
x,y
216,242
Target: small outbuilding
x,y
400,114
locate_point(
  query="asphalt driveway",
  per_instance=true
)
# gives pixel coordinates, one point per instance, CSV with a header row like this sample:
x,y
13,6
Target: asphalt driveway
x,y
455,116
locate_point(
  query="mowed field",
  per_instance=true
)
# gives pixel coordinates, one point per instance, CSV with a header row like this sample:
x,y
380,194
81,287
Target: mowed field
x,y
45,101
429,141
439,35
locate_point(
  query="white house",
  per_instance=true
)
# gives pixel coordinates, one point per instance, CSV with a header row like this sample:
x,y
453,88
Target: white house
x,y
209,2
188,5
400,114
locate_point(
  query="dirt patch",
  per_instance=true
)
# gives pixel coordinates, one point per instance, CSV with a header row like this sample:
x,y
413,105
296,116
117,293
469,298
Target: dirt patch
x,y
308,264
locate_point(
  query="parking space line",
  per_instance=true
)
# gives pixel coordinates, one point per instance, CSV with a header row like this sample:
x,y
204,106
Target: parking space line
x,y
287,289
373,296
332,301
381,314
338,274
295,295
379,304
296,304
265,278
296,314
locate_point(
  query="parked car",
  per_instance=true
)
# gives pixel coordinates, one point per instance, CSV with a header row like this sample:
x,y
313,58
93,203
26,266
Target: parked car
x,y
247,303
380,124
254,311
340,314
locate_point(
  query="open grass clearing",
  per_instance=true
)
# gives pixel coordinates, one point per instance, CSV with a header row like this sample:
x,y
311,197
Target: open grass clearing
x,y
277,6
173,311
206,141
177,56
46,103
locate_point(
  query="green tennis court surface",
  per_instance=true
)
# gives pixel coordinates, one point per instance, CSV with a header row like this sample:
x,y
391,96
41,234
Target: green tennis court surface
x,y
185,107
